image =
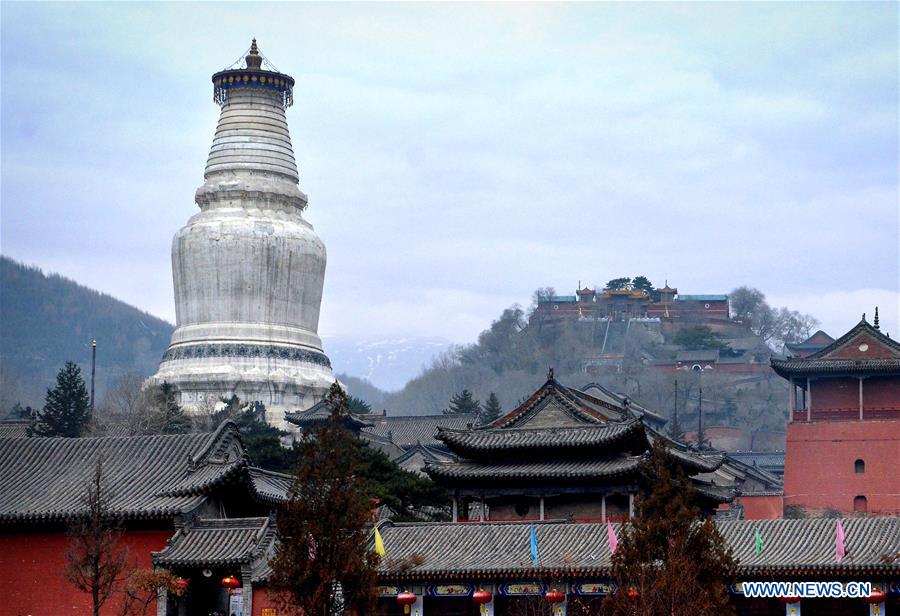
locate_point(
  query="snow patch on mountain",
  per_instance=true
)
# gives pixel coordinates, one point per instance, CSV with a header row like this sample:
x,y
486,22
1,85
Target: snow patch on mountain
x,y
386,363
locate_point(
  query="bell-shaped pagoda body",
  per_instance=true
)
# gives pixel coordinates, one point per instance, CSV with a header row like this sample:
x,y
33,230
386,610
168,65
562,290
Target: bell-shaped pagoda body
x,y
248,269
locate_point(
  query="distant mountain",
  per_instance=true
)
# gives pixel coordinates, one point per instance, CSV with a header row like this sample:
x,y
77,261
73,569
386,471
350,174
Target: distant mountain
x,y
46,320
387,363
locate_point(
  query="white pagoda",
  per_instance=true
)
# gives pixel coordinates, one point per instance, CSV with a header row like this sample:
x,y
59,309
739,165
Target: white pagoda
x,y
248,269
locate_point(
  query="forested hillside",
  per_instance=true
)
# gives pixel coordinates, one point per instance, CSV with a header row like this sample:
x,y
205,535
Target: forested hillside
x,y
47,319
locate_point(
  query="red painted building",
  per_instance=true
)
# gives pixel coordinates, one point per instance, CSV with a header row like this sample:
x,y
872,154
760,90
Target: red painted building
x,y
157,485
843,440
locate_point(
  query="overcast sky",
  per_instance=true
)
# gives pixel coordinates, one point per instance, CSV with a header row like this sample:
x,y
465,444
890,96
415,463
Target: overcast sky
x,y
459,156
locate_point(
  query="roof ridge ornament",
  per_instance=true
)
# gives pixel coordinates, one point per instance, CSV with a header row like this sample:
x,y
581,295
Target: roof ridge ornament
x,y
875,322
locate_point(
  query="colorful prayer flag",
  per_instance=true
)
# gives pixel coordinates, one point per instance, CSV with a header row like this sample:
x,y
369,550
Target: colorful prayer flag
x,y
534,546
757,542
839,537
379,544
611,536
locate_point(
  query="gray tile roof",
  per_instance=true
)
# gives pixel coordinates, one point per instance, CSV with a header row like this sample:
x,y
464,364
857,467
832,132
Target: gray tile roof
x,y
520,440
485,549
219,543
592,393
405,431
822,361
146,476
453,472
14,428
270,487
565,403
319,413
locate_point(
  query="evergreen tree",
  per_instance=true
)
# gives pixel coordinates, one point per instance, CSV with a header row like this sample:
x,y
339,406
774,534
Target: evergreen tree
x,y
262,442
617,284
174,421
463,403
492,409
358,406
67,407
410,496
323,565
642,283
678,564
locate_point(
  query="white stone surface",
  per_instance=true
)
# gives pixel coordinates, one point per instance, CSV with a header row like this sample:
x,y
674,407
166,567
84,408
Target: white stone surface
x,y
248,272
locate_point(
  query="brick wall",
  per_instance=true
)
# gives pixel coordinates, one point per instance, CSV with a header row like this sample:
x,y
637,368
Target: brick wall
x,y
819,469
33,563
762,507
881,394
835,394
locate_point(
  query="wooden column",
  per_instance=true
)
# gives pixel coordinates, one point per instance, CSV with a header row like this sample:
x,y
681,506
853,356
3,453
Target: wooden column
x,y
630,505
808,401
860,398
542,507
455,508
603,507
792,401
481,508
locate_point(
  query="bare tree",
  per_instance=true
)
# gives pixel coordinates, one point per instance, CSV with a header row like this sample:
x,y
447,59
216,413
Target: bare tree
x,y
142,588
95,557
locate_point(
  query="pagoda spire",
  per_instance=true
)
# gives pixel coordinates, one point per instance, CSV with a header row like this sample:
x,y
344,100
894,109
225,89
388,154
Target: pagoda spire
x,y
254,59
875,322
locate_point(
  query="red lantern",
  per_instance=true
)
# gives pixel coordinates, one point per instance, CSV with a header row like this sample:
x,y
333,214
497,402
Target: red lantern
x,y
876,596
554,596
481,596
406,599
181,584
632,593
230,582
788,600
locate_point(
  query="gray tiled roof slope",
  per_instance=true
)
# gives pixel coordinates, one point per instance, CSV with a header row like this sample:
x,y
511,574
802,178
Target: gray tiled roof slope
x,y
146,476
215,543
469,442
406,431
14,428
270,486
484,549
534,471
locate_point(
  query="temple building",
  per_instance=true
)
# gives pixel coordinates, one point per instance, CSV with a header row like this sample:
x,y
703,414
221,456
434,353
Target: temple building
x,y
162,487
843,439
248,269
444,566
562,454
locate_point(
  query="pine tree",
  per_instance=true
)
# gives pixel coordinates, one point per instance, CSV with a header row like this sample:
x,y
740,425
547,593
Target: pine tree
x,y
67,407
678,564
358,406
642,283
323,565
463,403
492,409
174,421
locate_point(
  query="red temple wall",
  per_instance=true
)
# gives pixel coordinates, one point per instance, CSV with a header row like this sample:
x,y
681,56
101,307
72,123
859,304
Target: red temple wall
x,y
881,394
33,566
767,507
835,394
819,466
